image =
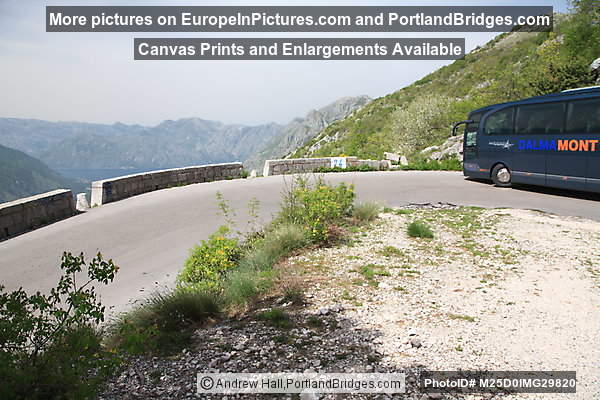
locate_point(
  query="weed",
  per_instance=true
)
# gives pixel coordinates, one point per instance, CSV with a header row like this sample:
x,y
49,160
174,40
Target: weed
x,y
461,317
293,294
366,212
419,229
275,317
315,321
391,251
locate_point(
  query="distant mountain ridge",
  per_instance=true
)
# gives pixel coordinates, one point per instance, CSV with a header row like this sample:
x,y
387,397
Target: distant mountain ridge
x,y
301,130
64,145
172,143
22,176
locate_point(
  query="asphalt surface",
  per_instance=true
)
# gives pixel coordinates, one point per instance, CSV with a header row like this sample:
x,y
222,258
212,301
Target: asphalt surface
x,y
149,235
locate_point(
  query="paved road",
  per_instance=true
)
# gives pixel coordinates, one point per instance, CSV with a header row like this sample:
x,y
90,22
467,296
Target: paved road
x,y
148,236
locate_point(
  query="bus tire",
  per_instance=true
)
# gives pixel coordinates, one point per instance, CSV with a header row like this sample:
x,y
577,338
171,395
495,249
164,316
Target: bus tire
x,y
501,176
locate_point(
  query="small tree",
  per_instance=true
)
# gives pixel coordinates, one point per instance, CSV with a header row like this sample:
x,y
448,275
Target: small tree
x,y
49,347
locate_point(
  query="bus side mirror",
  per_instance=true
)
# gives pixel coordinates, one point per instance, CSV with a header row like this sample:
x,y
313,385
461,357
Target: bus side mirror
x,y
456,125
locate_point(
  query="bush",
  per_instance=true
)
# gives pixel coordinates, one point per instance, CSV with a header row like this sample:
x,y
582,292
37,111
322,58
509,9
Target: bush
x,y
208,262
419,229
359,168
446,164
366,212
165,323
316,206
49,347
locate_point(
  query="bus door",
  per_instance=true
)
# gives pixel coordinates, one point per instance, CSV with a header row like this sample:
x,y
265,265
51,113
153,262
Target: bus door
x,y
534,125
497,139
470,139
567,164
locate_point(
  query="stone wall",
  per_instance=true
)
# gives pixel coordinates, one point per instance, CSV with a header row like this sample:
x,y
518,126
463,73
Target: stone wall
x,y
304,165
32,212
119,188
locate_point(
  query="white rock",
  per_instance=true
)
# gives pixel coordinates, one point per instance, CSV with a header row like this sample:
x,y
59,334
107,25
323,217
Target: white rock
x,y
82,203
392,156
309,396
403,160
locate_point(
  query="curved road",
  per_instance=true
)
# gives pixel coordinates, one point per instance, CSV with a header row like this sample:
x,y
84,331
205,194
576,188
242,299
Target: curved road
x,y
149,235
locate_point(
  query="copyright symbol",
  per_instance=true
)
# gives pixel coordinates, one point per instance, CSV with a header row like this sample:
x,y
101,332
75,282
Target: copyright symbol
x,y
206,383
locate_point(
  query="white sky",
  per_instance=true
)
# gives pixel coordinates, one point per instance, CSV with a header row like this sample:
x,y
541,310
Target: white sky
x,y
92,77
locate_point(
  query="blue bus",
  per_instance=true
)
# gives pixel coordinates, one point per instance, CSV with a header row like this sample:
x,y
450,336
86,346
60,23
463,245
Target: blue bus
x,y
551,140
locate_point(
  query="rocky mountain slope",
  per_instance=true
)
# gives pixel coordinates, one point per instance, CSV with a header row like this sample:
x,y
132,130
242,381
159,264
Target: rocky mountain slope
x,y
511,66
23,176
301,130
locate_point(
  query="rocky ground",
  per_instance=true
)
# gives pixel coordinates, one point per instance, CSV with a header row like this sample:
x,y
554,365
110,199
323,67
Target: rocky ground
x,y
494,289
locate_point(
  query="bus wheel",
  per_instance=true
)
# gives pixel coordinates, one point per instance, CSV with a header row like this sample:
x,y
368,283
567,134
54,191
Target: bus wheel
x,y
501,175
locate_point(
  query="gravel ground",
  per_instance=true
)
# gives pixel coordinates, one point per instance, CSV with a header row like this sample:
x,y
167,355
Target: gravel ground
x,y
495,289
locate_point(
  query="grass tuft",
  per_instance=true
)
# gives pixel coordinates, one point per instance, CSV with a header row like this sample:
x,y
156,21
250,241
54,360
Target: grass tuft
x,y
164,323
419,229
275,317
461,317
366,212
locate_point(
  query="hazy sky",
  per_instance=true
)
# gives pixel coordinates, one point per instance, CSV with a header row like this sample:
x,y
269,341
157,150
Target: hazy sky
x,y
92,77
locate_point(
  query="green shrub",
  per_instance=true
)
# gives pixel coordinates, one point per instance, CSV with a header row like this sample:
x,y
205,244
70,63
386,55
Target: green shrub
x,y
366,212
419,229
275,317
165,323
358,168
316,206
445,164
208,262
49,347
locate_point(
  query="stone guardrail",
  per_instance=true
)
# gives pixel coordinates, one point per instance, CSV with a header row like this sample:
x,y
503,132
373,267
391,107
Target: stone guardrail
x,y
32,212
109,190
304,165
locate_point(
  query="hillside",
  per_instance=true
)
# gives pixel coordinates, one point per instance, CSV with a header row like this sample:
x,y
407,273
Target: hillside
x,y
23,176
511,66
301,130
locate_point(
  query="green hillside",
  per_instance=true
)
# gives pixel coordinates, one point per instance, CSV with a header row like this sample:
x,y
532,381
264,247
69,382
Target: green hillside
x,y
23,176
511,66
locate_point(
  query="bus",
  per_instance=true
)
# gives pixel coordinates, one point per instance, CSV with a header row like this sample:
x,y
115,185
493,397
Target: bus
x,y
551,140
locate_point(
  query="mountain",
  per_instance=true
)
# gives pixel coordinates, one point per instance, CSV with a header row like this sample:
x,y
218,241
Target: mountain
x,y
511,66
301,130
22,176
191,141
77,145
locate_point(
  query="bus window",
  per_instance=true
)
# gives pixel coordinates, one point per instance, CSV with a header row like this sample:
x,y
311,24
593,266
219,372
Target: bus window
x,y
539,119
584,116
500,123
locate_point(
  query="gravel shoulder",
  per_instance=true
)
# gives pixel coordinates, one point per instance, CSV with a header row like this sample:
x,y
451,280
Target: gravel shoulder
x,y
498,289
